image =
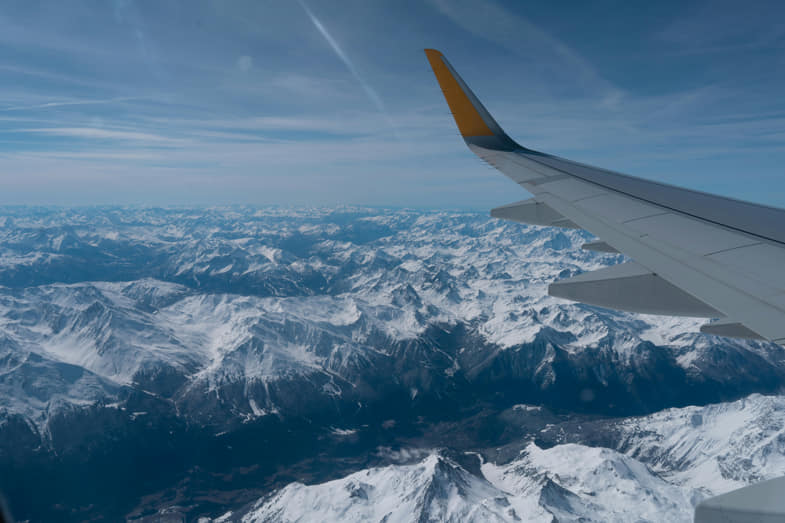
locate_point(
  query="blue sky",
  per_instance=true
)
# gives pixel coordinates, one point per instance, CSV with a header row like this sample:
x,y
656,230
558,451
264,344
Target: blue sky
x,y
322,102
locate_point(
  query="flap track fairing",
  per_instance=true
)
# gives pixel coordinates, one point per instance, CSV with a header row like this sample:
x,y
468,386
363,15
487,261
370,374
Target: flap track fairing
x,y
533,212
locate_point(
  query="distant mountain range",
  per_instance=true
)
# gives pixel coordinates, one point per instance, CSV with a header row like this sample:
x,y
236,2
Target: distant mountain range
x,y
184,363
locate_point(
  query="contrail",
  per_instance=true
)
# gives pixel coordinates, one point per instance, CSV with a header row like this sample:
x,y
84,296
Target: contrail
x,y
372,94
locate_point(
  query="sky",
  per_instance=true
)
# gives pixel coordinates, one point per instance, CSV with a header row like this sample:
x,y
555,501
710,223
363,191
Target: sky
x,y
319,102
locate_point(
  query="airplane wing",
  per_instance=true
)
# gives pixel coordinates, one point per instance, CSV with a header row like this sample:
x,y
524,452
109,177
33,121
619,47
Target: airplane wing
x,y
695,254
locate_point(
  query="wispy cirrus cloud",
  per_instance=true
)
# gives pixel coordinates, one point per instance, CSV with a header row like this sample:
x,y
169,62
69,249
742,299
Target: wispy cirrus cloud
x,y
93,133
349,124
538,50
65,103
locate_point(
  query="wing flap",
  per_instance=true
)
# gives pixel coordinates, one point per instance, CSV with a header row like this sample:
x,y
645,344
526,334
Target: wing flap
x,y
633,288
730,329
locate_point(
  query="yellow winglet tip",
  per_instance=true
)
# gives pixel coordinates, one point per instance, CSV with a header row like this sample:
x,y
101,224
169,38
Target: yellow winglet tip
x,y
469,121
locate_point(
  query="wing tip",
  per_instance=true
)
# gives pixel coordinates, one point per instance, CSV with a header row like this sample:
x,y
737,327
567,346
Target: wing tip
x,y
474,122
469,120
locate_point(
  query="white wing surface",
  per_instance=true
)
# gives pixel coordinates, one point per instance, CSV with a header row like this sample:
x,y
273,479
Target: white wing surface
x,y
695,254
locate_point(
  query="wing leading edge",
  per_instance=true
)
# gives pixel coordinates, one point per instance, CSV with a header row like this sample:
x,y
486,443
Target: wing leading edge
x,y
696,254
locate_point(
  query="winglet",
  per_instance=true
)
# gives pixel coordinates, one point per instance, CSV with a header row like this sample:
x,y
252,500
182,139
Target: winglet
x,y
474,122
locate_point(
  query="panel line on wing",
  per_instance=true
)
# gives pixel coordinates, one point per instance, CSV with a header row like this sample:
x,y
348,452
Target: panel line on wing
x,y
600,195
546,179
733,248
633,220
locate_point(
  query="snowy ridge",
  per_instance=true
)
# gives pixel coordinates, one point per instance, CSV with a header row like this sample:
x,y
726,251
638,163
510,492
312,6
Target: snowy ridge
x,y
670,461
566,483
579,483
716,448
435,489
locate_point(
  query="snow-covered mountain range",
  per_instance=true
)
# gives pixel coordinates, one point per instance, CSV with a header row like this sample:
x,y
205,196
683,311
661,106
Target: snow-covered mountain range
x,y
205,331
663,464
